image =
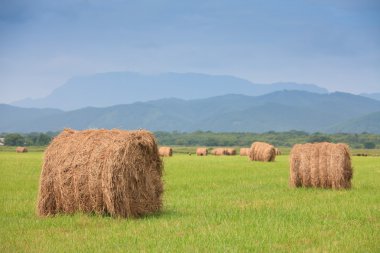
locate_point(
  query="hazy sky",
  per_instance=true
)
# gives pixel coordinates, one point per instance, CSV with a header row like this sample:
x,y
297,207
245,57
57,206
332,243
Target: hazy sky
x,y
331,43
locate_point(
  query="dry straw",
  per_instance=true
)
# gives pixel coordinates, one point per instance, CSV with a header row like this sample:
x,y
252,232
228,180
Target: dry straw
x,y
244,151
111,172
218,151
201,151
21,150
165,151
230,151
278,151
324,165
261,151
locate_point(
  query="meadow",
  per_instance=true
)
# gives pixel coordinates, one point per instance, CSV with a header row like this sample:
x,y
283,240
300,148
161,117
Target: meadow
x,y
211,204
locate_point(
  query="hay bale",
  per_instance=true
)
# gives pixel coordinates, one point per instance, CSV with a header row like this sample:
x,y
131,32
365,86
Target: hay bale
x,y
261,151
111,172
230,151
244,151
218,151
324,165
278,151
201,151
165,151
21,150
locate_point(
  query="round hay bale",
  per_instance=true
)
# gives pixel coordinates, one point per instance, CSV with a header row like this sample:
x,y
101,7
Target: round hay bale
x,y
244,151
278,151
230,151
112,172
202,151
323,165
218,151
261,151
165,151
21,150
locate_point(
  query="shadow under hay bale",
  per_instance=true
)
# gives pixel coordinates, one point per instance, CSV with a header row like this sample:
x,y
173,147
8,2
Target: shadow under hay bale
x,y
261,151
165,151
244,151
110,172
324,165
21,150
201,152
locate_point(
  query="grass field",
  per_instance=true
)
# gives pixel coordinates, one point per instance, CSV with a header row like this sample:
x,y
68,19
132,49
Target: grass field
x,y
211,204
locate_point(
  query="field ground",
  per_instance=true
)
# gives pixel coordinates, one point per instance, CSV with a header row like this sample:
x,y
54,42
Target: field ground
x,y
210,204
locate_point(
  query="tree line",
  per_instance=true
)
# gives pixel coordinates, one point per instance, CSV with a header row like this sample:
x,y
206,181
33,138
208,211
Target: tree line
x,y
207,138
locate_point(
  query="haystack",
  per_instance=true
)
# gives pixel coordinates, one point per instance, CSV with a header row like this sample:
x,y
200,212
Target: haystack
x,y
230,151
112,172
261,151
244,151
201,151
165,151
324,165
278,151
21,150
218,151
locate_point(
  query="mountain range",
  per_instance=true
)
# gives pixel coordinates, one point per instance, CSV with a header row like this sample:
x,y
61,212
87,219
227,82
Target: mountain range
x,y
277,111
114,88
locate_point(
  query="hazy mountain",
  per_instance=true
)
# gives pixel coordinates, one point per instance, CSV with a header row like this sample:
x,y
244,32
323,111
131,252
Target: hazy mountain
x,y
371,95
115,88
369,123
278,111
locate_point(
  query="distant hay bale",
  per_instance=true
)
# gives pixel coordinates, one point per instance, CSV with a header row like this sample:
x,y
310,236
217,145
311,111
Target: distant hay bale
x,y
111,172
261,151
201,151
324,165
165,151
230,151
278,151
218,151
244,151
21,150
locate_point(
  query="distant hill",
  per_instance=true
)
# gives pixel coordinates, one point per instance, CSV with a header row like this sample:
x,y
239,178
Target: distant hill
x,y
107,89
371,95
369,123
278,111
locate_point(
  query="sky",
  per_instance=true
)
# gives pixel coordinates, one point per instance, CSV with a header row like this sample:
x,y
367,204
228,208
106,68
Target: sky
x,y
332,43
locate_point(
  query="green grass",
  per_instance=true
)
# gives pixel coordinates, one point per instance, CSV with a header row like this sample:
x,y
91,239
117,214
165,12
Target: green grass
x,y
212,204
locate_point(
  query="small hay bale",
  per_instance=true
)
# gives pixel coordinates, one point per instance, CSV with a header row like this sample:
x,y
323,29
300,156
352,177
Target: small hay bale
x,y
21,150
261,151
202,151
323,165
244,151
230,151
218,151
110,172
165,151
278,151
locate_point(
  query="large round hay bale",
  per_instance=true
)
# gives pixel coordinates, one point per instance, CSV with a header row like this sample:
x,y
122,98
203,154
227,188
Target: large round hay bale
x,y
261,151
278,151
202,151
244,151
111,172
165,151
218,151
21,150
325,165
230,151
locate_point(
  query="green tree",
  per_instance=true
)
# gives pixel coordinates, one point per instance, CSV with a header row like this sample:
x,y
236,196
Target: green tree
x,y
369,145
14,140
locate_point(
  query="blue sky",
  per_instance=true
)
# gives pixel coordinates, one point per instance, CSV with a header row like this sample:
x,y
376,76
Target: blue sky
x,y
331,43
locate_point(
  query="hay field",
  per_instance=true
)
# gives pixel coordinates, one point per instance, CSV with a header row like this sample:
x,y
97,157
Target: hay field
x,y
211,204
